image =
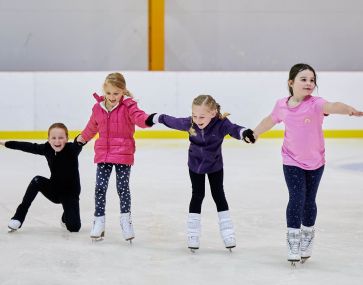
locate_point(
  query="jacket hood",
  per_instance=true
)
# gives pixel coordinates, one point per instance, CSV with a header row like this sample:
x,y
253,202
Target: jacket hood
x,y
125,100
98,97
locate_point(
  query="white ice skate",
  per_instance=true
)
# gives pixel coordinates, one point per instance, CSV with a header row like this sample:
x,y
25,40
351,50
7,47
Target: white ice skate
x,y
13,225
127,227
307,242
98,228
193,231
293,241
226,229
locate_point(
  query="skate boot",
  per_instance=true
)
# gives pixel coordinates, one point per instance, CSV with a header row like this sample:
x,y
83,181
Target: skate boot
x,y
193,231
307,242
127,227
226,229
293,241
98,228
13,225
62,223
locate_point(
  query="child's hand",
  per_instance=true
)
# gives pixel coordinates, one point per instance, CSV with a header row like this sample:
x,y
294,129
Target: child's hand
x,y
150,120
2,143
354,112
248,137
80,139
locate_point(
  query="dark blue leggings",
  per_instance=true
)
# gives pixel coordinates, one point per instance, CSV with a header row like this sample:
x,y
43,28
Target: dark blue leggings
x,y
303,186
122,184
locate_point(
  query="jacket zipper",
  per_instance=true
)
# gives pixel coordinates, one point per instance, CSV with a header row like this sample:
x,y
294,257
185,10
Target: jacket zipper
x,y
108,134
201,150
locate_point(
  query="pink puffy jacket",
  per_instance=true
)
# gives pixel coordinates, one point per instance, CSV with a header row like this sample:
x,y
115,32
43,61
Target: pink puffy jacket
x,y
116,130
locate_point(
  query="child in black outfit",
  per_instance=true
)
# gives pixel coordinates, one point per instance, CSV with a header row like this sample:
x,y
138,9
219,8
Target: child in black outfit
x,y
63,187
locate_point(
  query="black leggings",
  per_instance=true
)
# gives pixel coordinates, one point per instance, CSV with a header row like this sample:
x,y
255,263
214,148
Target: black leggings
x,y
198,186
70,217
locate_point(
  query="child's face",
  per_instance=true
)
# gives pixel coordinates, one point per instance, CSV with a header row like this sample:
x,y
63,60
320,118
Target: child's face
x,y
57,139
303,84
202,115
113,94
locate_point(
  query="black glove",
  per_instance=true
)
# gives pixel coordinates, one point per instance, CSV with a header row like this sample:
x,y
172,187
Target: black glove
x,y
248,134
77,142
149,121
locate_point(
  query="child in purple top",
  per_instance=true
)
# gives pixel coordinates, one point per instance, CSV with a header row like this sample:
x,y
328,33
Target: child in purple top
x,y
207,128
303,153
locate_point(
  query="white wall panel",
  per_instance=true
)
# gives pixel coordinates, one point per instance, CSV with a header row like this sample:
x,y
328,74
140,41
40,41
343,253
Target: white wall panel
x,y
17,101
32,101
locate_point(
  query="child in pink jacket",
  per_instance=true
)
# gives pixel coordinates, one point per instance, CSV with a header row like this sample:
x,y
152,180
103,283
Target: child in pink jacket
x,y
114,117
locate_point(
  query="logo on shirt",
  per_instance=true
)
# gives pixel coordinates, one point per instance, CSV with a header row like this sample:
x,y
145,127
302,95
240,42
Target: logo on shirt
x,y
307,121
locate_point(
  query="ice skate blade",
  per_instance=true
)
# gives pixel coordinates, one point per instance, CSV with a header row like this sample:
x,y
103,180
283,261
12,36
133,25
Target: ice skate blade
x,y
293,262
10,230
193,249
304,259
98,238
230,247
130,240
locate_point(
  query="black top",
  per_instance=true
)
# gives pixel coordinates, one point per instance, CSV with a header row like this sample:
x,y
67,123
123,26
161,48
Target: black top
x,y
63,165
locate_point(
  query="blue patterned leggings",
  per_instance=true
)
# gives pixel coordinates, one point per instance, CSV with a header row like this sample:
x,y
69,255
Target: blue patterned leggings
x,y
303,187
103,174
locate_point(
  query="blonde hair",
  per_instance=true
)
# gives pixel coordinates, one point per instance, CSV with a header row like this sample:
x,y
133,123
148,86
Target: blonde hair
x,y
116,79
212,105
58,126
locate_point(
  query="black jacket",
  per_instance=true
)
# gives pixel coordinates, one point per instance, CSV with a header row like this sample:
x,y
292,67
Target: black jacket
x,y
63,165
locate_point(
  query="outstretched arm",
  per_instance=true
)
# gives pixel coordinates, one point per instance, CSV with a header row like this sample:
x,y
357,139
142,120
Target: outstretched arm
x,y
26,147
341,108
265,125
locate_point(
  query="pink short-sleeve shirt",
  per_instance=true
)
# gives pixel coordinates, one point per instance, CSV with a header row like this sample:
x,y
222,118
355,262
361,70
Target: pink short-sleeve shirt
x,y
303,144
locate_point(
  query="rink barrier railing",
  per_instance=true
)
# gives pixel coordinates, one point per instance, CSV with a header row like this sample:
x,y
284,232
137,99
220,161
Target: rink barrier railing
x,y
163,134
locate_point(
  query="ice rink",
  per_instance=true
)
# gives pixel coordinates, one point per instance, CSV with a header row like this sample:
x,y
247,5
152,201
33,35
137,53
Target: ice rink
x,y
42,252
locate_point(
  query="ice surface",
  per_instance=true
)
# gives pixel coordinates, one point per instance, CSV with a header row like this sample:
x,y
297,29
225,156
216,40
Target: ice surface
x,y
42,252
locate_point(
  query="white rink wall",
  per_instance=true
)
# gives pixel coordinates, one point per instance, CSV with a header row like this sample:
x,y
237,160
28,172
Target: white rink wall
x,y
31,101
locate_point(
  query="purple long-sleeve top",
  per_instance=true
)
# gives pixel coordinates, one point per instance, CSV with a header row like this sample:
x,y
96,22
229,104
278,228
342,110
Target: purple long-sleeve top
x,y
205,150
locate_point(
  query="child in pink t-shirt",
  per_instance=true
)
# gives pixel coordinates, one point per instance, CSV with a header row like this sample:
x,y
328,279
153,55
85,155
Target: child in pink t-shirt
x,y
303,153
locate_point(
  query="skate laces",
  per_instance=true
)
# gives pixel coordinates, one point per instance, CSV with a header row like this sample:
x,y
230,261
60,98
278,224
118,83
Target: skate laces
x,y
126,226
193,239
227,230
98,226
293,240
194,227
306,239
